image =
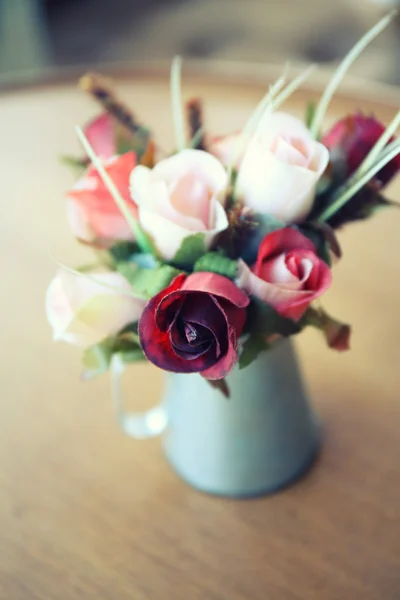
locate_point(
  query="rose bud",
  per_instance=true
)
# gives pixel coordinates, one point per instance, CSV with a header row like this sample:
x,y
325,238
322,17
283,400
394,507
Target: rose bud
x,y
85,311
350,140
179,197
194,325
279,170
92,212
288,274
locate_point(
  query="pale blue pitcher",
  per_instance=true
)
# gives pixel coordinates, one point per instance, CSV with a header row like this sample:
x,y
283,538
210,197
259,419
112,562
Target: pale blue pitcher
x,y
261,439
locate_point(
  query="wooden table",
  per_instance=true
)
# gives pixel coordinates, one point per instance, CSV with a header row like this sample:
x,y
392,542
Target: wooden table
x,y
86,513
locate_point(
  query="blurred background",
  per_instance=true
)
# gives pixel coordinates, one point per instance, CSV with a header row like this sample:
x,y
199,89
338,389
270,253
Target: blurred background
x,y
40,37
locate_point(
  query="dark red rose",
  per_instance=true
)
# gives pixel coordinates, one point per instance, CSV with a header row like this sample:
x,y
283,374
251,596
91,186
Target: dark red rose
x,y
194,324
350,140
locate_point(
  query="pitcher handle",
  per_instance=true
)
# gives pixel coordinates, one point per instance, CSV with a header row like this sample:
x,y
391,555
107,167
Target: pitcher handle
x,y
137,425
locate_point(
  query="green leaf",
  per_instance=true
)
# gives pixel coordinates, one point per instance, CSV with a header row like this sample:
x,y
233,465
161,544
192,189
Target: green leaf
x,y
123,251
78,165
96,359
215,262
128,339
147,282
252,347
264,319
138,141
191,249
134,355
221,385
145,261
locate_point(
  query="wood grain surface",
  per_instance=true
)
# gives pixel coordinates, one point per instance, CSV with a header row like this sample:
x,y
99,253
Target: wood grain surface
x,y
86,513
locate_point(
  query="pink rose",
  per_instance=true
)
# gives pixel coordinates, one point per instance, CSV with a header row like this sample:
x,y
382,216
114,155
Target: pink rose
x,y
92,212
288,274
280,168
100,133
83,312
179,197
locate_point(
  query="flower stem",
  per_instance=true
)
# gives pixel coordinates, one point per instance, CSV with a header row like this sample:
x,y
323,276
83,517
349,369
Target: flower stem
x,y
379,147
343,68
177,106
354,185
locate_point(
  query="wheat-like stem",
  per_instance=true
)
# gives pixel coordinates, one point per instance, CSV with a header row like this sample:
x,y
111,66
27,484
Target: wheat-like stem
x,y
177,104
110,185
343,68
292,87
380,145
354,185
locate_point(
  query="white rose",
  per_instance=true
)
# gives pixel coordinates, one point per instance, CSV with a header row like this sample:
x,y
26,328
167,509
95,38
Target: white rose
x,y
179,197
280,169
84,312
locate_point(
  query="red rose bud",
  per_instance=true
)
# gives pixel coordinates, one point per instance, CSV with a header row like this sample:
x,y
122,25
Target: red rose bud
x,y
194,324
350,140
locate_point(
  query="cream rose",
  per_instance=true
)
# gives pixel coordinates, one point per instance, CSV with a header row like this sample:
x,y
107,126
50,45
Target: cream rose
x,y
280,168
179,197
83,312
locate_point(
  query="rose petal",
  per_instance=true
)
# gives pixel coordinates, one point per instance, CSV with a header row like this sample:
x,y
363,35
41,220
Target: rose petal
x,y
280,123
290,303
289,153
92,211
156,344
269,185
281,167
279,241
191,197
82,311
101,136
277,271
179,197
204,310
235,320
217,285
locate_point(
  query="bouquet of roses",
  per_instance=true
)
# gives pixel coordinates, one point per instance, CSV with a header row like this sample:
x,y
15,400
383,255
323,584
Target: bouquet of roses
x,y
210,255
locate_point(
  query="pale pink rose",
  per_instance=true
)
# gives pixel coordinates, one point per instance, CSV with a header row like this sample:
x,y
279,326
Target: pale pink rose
x,y
179,197
227,149
83,312
280,168
288,274
92,212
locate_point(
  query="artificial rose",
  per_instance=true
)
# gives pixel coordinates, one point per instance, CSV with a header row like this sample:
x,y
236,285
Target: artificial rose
x,y
227,149
288,274
350,140
180,197
84,311
194,324
100,133
92,212
280,168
